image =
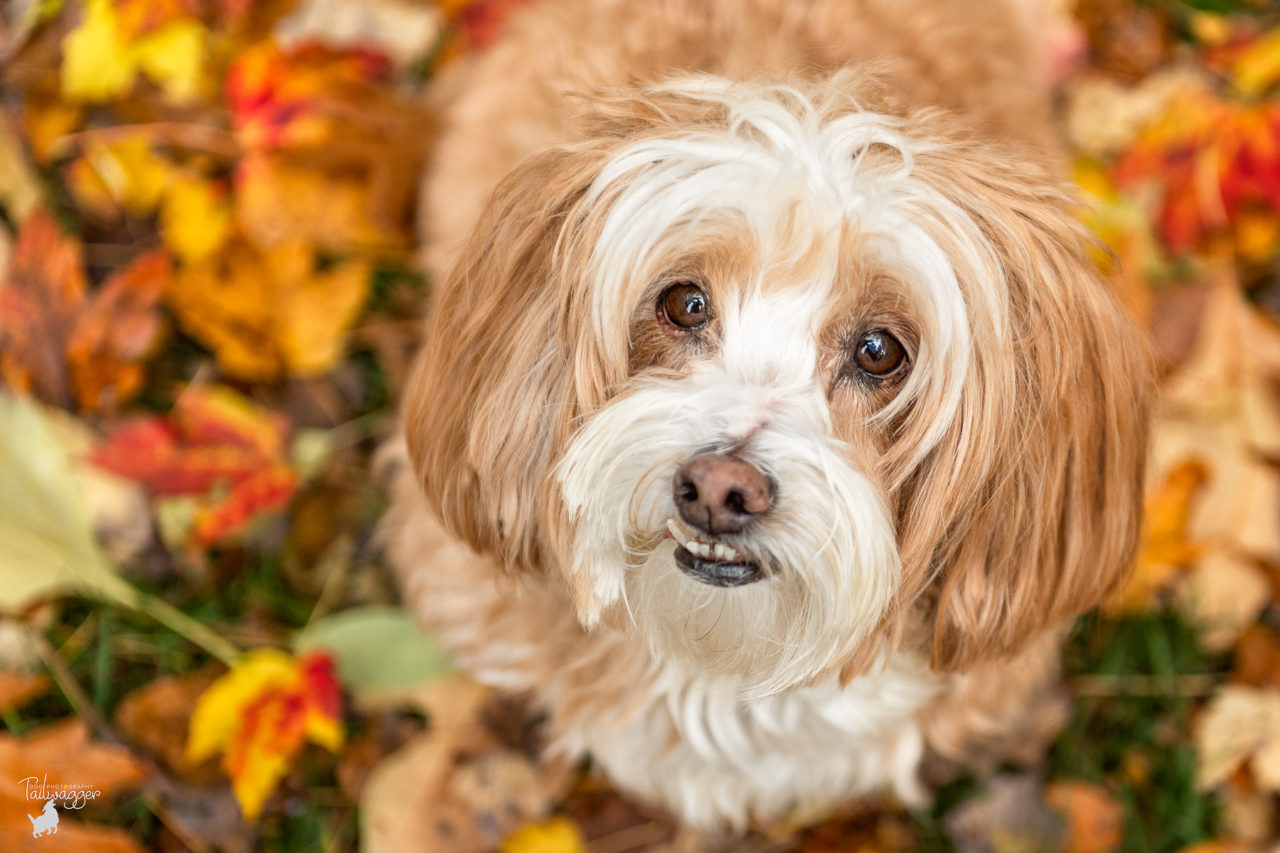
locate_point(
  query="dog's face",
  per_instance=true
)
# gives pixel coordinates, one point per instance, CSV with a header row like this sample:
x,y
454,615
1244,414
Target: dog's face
x,y
772,379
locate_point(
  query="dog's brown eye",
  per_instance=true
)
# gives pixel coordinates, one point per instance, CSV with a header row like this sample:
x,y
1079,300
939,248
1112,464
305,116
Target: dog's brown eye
x,y
685,305
879,354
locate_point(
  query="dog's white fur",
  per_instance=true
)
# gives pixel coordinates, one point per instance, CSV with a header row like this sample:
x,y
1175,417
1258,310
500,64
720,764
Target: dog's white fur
x,y
928,536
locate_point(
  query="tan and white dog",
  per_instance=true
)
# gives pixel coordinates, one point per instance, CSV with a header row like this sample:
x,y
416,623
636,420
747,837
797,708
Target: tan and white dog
x,y
772,420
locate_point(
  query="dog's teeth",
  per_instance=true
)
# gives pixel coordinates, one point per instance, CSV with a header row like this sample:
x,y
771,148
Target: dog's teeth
x,y
721,552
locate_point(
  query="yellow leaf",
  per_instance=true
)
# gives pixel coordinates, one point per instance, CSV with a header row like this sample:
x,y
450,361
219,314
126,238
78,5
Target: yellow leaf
x,y
97,64
560,835
1258,67
269,313
173,56
47,122
195,219
260,713
129,169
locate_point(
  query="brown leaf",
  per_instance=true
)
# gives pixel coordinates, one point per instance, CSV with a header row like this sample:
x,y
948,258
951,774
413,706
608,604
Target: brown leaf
x,y
454,787
1257,658
1095,821
38,766
156,717
1129,40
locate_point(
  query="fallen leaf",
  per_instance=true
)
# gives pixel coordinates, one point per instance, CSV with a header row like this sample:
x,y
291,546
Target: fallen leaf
x,y
58,763
47,545
278,203
65,344
1258,66
377,650
1165,548
104,54
156,717
1257,658
215,445
195,218
269,314
1095,821
260,714
20,192
39,307
1223,595
19,688
1241,726
560,835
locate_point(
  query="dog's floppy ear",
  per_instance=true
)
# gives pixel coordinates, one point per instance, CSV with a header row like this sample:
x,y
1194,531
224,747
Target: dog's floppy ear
x,y
494,391
1033,502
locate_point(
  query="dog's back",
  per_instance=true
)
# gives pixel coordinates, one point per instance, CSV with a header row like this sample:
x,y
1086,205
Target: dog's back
x,y
499,105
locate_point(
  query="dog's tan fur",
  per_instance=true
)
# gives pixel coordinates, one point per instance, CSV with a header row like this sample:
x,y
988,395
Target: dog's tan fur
x,y
1025,515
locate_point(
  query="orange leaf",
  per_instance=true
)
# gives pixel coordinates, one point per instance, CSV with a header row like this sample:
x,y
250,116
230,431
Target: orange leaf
x,y
115,331
1095,821
64,345
1164,549
39,308
17,689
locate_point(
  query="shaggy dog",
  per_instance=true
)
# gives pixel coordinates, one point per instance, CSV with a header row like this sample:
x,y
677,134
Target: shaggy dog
x,y
772,420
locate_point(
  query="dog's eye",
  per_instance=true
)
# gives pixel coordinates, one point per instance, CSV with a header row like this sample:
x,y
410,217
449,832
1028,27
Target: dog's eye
x,y
879,354
685,305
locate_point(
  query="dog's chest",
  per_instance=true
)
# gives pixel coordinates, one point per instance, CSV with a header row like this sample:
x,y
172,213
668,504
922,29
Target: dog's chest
x,y
709,753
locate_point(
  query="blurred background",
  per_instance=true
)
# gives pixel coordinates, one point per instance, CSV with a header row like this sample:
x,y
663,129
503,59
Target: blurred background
x,y
208,305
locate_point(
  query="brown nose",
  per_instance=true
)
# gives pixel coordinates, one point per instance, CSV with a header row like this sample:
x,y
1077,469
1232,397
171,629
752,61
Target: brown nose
x,y
719,493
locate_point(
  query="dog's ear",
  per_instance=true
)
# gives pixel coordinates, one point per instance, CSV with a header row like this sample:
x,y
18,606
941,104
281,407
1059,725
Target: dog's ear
x,y
495,391
1028,511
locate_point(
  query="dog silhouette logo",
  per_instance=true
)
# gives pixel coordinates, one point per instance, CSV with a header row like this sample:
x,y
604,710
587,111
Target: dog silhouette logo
x,y
47,823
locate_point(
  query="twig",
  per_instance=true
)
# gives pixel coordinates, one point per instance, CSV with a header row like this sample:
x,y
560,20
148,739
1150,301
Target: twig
x,y
1143,685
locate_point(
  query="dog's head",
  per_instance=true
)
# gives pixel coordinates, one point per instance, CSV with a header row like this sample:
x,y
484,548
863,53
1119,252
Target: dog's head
x,y
769,375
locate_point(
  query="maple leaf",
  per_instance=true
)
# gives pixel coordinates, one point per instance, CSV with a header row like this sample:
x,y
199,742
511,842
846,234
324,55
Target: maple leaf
x,y
282,99
1215,169
216,445
116,40
195,218
260,714
278,202
125,171
270,313
65,344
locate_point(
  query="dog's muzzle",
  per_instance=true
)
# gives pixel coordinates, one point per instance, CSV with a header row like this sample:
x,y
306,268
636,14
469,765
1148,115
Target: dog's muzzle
x,y
719,494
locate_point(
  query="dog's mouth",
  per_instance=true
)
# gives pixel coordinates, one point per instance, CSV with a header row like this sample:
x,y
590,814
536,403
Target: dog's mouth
x,y
713,563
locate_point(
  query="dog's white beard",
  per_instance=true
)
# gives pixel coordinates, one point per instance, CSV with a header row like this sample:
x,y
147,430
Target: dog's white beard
x,y
827,545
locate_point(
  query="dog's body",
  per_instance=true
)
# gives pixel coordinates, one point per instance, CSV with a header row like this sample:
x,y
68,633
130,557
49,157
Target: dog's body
x,y
772,422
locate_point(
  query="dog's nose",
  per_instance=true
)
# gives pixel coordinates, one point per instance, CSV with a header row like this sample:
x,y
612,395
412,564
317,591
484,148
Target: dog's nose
x,y
718,493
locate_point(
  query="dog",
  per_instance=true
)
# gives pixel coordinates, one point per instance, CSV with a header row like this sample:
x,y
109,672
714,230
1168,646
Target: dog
x,y
773,420
47,823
